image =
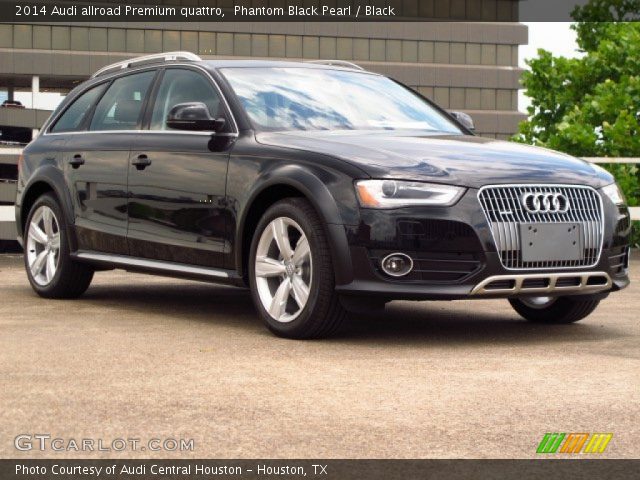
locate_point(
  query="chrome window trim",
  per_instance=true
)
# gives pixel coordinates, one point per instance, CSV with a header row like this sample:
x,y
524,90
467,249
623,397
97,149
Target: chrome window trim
x,y
549,185
119,74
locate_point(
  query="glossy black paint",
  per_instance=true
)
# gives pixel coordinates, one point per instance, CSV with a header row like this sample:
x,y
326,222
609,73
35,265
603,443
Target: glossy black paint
x,y
380,231
257,172
177,207
462,160
99,188
194,198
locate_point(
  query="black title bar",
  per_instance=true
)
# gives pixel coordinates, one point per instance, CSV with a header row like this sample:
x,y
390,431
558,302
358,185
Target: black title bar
x,y
48,11
319,469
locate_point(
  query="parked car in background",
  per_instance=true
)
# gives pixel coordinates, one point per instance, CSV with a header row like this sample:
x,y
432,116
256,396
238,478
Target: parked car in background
x,y
321,187
11,104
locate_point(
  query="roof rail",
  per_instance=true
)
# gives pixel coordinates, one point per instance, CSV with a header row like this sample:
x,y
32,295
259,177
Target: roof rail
x,y
155,58
338,63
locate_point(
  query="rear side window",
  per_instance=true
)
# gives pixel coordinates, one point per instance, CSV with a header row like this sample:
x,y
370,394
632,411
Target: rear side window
x,y
184,86
73,117
120,107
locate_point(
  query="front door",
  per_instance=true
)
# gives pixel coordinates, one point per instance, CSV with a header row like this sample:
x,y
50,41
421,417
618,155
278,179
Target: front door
x,y
177,179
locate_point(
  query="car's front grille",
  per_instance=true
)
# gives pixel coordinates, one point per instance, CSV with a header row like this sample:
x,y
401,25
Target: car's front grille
x,y
505,212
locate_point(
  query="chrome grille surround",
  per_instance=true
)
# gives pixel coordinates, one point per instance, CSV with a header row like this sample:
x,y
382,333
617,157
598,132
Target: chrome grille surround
x,y
503,209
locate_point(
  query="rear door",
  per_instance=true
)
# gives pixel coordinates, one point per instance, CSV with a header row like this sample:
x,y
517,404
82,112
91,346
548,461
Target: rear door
x,y
177,209
96,164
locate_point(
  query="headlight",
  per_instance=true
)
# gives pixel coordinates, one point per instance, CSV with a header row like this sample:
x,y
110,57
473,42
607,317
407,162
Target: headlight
x,y
614,193
397,193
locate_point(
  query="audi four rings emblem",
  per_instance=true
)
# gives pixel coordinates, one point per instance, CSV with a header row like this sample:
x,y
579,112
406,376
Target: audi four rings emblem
x,y
545,202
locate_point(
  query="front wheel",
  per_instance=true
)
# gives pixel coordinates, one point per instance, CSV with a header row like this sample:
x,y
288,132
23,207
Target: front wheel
x,y
51,271
291,273
554,310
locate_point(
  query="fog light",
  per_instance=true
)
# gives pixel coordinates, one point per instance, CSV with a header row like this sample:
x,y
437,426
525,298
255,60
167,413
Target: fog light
x,y
397,264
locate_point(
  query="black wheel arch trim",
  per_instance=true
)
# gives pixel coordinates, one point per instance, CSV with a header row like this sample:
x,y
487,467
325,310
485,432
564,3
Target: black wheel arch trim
x,y
52,176
317,193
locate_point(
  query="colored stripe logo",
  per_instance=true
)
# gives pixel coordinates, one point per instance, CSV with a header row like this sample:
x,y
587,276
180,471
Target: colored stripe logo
x,y
574,443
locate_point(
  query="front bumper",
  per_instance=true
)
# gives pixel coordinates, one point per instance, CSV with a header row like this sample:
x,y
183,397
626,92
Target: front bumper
x,y
456,257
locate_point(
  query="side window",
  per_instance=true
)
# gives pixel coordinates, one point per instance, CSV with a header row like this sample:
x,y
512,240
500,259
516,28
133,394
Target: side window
x,y
183,86
74,116
119,108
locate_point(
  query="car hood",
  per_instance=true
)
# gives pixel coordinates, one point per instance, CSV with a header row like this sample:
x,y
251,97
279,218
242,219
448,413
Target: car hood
x,y
463,160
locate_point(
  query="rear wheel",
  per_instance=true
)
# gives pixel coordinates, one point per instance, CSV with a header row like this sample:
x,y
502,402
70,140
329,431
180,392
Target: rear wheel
x,y
554,310
291,272
51,271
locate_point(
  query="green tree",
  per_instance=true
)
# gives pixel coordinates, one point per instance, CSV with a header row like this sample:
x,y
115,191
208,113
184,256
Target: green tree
x,y
593,17
590,106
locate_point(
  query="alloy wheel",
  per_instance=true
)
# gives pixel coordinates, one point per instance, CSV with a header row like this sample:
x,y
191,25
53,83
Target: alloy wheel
x,y
43,245
283,269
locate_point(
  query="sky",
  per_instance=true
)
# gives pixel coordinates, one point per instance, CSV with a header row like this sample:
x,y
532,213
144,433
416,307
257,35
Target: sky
x,y
556,37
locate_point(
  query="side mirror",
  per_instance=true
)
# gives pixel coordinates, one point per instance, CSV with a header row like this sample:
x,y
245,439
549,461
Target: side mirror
x,y
193,116
464,119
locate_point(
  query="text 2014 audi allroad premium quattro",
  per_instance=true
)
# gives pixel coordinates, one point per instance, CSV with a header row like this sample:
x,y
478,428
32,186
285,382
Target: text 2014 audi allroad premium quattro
x,y
323,187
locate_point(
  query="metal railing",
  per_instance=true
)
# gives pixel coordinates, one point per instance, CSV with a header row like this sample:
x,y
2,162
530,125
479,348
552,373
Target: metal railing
x,y
612,159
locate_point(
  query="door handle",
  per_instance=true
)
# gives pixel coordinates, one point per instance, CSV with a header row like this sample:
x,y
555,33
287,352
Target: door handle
x,y
76,161
141,162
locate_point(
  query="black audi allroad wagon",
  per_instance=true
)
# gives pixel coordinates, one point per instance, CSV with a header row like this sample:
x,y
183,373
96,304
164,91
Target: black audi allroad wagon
x,y
322,187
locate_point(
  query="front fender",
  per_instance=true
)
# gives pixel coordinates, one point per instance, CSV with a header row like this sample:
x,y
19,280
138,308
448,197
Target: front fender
x,y
313,185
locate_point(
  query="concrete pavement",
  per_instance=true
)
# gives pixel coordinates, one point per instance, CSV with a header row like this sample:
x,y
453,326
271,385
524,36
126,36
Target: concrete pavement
x,y
147,357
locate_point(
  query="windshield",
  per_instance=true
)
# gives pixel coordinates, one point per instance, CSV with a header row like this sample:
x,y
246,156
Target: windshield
x,y
292,98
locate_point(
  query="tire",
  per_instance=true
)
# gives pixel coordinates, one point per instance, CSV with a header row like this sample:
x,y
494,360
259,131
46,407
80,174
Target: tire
x,y
70,279
560,310
283,308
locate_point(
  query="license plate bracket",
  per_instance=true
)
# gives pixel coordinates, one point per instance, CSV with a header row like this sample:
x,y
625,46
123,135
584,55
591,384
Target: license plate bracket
x,y
545,242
